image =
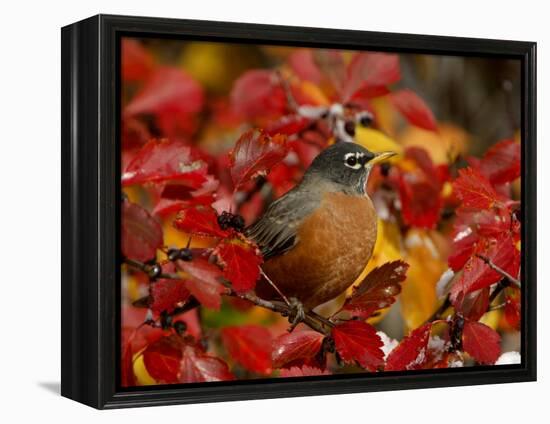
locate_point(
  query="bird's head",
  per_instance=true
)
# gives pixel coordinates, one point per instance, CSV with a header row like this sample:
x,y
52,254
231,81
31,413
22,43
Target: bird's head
x,y
346,164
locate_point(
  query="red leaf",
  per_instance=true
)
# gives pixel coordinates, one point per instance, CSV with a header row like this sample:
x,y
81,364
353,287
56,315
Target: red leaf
x,y
288,125
254,154
250,346
481,342
136,61
421,202
463,247
304,371
370,73
168,294
357,341
196,367
168,91
502,162
241,264
477,274
303,64
258,93
164,160
162,359
414,109
199,220
204,283
378,289
411,353
512,309
475,190
472,305
298,345
141,235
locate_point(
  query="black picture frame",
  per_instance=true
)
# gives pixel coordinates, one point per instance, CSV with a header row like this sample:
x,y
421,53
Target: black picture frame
x,y
91,200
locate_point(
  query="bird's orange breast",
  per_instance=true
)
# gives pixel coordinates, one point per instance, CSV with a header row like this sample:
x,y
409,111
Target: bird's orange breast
x,y
333,246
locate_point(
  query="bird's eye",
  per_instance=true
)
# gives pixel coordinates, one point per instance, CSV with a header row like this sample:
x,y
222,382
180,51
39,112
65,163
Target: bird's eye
x,y
351,161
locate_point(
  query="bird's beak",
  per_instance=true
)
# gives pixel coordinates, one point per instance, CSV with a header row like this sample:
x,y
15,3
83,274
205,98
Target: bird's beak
x,y
379,157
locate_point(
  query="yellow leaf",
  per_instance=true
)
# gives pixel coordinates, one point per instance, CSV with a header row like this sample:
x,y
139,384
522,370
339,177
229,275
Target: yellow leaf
x,y
446,144
418,297
376,141
142,375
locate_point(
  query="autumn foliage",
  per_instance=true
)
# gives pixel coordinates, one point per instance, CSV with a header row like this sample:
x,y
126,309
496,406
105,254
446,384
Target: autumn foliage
x,y
200,163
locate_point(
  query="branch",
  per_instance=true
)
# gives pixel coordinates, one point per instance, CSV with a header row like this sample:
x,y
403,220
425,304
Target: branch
x,y
498,269
311,319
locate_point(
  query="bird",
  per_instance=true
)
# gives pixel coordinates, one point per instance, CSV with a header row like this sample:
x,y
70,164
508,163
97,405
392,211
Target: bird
x,y
317,239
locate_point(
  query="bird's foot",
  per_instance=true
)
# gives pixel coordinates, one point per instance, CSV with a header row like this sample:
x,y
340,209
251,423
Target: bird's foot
x,y
297,313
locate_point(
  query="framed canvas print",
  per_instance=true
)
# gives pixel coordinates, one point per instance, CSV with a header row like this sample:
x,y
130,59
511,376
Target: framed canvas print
x,y
255,211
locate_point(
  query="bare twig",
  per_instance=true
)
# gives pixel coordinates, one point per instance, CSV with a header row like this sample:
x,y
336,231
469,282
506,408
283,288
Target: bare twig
x,y
272,284
498,269
311,319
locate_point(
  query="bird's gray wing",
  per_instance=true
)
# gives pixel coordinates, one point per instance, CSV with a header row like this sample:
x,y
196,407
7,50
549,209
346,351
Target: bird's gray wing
x,y
276,231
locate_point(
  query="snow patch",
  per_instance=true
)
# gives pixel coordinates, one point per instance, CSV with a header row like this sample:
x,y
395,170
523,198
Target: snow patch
x,y
509,358
389,343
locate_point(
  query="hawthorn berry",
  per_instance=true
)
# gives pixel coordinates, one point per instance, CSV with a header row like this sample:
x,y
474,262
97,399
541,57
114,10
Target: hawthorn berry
x,y
185,254
180,327
349,127
173,254
154,271
366,120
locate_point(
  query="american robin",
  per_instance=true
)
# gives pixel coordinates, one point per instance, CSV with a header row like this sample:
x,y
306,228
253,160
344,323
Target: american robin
x,y
317,238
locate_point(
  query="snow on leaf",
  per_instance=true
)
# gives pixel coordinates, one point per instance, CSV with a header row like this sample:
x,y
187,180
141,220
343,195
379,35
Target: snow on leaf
x,y
502,162
414,109
298,345
141,235
254,154
167,294
201,220
258,93
411,353
197,367
475,190
250,346
481,342
162,160
357,341
378,289
162,359
204,282
241,264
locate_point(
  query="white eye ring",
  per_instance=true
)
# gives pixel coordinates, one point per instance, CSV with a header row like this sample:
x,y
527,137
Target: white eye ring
x,y
353,164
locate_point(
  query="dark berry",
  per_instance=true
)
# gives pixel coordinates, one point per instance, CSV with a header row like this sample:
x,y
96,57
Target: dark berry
x,y
173,254
165,320
185,254
237,222
224,220
180,327
366,119
154,271
349,127
385,168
